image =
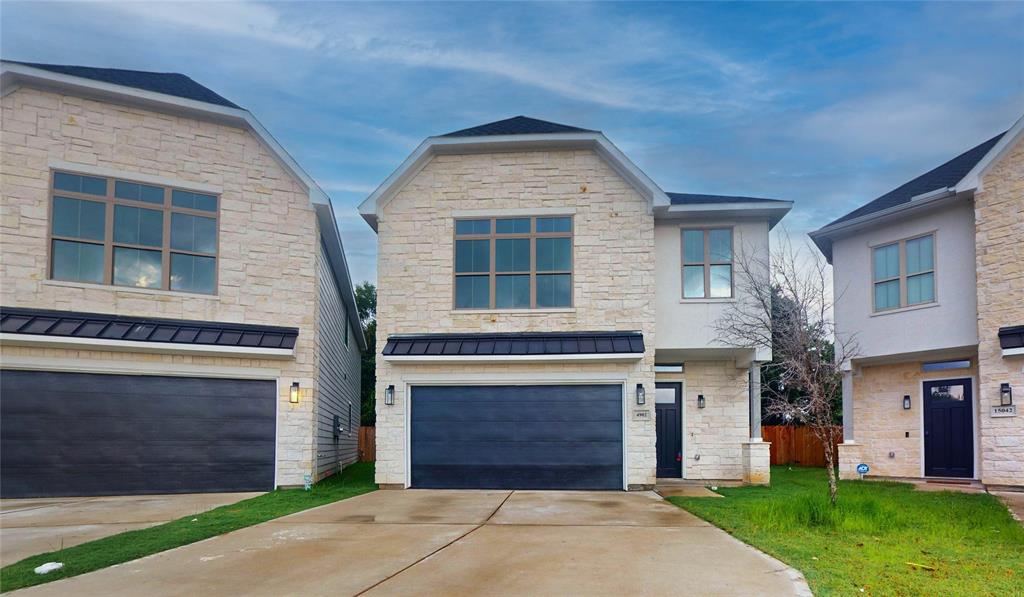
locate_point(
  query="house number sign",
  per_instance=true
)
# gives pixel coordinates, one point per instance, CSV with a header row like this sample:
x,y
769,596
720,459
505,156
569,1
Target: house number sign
x,y
1004,411
641,415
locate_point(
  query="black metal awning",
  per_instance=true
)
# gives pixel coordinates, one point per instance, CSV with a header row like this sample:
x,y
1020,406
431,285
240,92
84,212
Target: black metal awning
x,y
515,344
96,326
1011,337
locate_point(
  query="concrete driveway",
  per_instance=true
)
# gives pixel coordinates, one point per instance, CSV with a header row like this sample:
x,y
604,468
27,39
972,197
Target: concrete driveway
x,y
425,542
32,526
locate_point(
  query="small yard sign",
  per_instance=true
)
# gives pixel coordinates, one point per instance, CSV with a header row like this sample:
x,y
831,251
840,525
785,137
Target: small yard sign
x,y
862,469
1004,411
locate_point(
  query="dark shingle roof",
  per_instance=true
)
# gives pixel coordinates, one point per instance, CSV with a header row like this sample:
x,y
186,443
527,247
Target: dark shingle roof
x,y
510,344
696,199
1011,337
17,320
174,84
946,175
517,125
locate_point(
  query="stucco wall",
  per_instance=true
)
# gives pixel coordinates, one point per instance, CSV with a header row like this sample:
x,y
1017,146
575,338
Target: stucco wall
x,y
881,424
613,282
947,323
689,323
268,237
999,217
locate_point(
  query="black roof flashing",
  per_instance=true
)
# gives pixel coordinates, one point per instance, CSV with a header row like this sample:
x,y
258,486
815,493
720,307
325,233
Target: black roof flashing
x,y
1011,337
513,344
700,199
40,322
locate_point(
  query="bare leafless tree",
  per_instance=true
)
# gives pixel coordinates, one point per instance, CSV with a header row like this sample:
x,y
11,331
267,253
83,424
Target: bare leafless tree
x,y
784,303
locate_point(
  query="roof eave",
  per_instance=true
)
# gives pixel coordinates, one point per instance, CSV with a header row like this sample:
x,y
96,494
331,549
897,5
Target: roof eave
x,y
823,236
418,159
773,211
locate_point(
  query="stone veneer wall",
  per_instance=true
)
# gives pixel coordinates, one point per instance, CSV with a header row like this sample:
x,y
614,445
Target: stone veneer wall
x,y
267,238
613,281
881,423
718,431
999,233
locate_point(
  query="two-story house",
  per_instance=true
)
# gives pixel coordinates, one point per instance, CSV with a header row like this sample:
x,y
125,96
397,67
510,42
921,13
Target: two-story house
x,y
929,285
546,316
176,310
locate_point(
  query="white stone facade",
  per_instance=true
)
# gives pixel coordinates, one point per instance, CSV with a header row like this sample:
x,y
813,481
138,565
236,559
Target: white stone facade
x,y
268,243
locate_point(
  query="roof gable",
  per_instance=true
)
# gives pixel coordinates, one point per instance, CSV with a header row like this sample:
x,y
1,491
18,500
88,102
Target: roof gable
x,y
175,84
517,125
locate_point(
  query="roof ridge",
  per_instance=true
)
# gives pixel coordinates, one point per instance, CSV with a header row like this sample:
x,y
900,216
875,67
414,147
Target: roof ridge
x,y
517,125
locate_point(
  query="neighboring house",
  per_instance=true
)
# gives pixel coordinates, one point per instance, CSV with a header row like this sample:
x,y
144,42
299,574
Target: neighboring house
x,y
545,318
177,313
929,281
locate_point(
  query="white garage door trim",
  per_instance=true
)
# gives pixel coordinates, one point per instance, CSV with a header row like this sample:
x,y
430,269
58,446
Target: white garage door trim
x,y
504,379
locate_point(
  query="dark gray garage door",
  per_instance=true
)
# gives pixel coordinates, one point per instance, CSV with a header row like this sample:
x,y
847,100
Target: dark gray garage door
x,y
517,437
87,434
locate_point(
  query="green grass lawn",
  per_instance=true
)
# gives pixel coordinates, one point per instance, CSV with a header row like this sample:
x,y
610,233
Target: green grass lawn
x,y
354,480
970,540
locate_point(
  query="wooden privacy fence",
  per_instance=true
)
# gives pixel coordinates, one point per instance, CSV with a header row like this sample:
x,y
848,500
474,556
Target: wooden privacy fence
x,y
797,445
367,444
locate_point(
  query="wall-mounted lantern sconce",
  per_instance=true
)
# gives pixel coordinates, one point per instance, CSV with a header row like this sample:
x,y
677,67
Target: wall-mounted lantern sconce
x,y
641,394
389,396
700,400
1005,394
293,395
906,402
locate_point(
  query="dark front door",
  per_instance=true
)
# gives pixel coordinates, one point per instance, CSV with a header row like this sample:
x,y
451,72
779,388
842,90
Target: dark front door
x,y
948,428
79,434
668,419
517,437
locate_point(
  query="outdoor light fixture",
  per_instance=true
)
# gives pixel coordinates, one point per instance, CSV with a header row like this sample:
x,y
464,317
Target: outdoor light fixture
x,y
700,400
293,395
641,394
1005,394
389,395
906,402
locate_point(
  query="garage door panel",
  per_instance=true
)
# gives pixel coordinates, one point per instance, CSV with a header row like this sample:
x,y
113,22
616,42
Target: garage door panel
x,y
91,434
529,437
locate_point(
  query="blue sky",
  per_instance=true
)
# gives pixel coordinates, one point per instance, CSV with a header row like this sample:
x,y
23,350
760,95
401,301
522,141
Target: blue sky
x,y
826,104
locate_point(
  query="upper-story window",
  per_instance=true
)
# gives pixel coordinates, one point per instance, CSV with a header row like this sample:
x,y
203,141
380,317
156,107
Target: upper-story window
x,y
124,233
904,273
707,263
513,263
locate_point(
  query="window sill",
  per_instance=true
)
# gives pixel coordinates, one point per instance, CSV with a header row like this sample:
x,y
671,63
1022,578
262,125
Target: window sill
x,y
731,299
905,309
512,311
152,291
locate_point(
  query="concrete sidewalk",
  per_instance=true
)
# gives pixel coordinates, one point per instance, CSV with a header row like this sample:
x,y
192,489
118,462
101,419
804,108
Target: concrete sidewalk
x,y
32,526
425,542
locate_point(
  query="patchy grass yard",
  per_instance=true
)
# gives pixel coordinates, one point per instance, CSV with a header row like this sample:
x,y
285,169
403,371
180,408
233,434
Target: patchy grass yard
x,y
354,480
885,538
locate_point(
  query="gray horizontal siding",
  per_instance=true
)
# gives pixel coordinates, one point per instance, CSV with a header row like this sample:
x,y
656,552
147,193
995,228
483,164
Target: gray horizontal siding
x,y
338,378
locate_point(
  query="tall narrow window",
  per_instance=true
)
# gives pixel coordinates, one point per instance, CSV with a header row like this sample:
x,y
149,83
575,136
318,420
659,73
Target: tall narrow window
x,y
125,233
707,263
513,263
903,273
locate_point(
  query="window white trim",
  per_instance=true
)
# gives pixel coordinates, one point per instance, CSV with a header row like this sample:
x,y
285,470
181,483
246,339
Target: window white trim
x,y
1013,352
72,342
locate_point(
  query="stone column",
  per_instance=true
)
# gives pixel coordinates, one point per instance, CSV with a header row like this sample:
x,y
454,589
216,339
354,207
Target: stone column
x,y
850,454
848,407
755,402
